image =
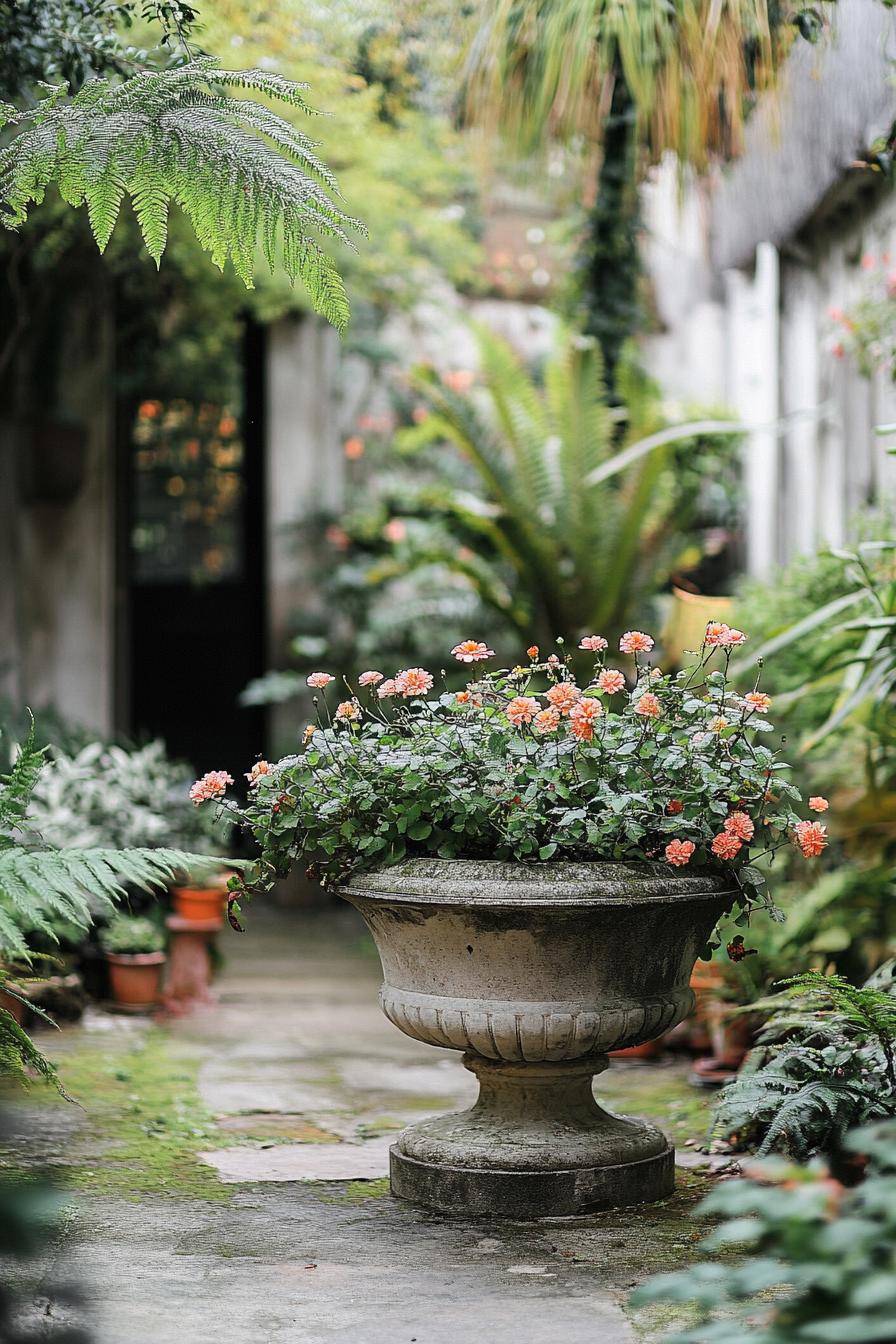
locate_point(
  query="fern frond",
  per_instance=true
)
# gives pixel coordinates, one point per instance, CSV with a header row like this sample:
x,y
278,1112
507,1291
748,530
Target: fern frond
x,y
17,786
38,886
243,175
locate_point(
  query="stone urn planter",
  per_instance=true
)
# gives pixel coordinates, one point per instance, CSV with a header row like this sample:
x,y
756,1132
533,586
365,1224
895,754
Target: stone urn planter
x,y
535,971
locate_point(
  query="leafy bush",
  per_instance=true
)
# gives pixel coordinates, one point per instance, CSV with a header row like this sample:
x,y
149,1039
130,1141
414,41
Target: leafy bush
x,y
823,1064
819,1258
40,887
581,514
120,797
131,934
525,764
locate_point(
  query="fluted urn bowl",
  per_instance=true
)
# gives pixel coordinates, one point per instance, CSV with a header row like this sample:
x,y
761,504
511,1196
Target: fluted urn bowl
x,y
536,971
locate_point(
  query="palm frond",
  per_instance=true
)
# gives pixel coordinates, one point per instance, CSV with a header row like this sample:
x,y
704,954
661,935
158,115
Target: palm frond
x,y
546,68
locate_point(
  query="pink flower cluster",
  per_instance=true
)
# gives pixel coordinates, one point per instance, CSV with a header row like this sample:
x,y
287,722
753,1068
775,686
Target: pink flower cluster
x,y
720,635
212,785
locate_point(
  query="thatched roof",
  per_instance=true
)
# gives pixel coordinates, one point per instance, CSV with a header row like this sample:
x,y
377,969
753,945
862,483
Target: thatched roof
x,y
834,100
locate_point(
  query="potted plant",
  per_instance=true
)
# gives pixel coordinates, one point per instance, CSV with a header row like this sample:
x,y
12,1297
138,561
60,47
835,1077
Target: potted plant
x,y
107,795
133,947
540,863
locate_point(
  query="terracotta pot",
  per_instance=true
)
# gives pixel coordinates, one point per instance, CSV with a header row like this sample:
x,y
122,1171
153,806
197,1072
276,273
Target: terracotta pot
x,y
136,978
202,903
646,1050
13,1006
536,971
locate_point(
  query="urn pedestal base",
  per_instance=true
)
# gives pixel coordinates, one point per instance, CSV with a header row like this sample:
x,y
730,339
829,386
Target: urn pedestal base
x,y
535,1145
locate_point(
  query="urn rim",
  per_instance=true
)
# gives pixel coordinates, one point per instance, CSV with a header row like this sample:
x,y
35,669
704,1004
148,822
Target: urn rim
x,y
497,883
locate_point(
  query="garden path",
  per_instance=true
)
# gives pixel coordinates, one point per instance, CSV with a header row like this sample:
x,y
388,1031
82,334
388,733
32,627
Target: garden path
x,y
227,1174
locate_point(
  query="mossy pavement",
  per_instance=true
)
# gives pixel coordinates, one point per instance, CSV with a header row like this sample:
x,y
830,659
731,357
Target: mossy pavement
x,y
294,1084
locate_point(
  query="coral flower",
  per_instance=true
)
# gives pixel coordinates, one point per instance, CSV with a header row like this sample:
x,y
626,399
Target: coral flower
x,y
212,785
522,709
717,725
548,721
471,651
370,678
413,681
739,825
758,701
348,711
611,681
259,769
635,641
459,380
564,696
309,732
678,852
593,643
733,638
818,804
319,680
811,837
725,846
582,717
387,688
715,633
648,705
674,806
532,652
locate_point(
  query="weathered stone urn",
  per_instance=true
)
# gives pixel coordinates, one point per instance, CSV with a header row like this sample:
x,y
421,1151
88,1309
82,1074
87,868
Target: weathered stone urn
x,y
535,971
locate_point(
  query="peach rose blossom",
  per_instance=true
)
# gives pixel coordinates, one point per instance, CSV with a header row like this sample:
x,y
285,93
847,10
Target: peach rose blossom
x,y
353,448
319,680
521,709
472,651
726,846
718,724
811,837
818,804
394,531
370,678
648,705
348,711
611,681
387,689
635,641
739,825
413,681
593,643
259,769
212,785
758,701
715,633
678,852
733,638
309,733
564,696
532,652
582,719
547,721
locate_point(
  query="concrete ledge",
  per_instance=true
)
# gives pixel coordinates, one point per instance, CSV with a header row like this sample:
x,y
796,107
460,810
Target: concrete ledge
x,y
521,1194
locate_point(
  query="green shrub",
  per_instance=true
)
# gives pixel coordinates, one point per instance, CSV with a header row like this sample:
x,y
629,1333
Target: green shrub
x,y
131,934
819,1262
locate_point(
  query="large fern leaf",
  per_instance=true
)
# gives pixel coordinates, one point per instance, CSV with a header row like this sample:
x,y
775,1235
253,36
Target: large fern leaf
x,y
244,176
41,887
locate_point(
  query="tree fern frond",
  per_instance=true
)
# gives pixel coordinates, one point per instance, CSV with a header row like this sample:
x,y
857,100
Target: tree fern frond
x,y
72,884
241,173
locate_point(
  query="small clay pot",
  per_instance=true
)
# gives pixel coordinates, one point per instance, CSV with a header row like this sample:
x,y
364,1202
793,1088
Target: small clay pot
x,y
136,978
646,1050
199,903
13,1006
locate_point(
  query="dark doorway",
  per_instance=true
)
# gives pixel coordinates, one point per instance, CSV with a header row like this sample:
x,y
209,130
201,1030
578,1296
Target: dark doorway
x,y
193,554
